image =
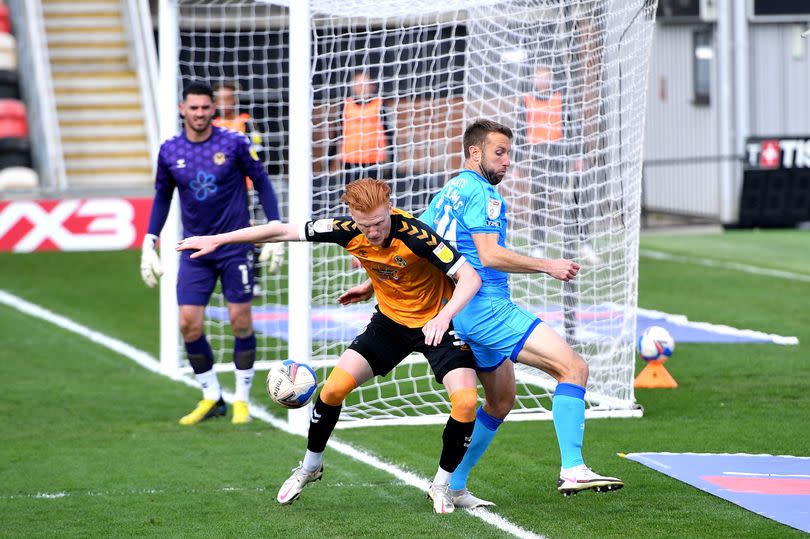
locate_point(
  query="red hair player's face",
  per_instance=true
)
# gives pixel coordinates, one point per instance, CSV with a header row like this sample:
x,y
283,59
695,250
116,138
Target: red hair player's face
x,y
375,224
197,111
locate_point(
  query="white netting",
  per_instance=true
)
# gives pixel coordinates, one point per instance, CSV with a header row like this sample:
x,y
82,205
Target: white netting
x,y
434,67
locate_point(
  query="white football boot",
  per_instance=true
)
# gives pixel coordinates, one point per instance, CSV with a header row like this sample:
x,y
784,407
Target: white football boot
x,y
582,478
464,499
440,496
292,487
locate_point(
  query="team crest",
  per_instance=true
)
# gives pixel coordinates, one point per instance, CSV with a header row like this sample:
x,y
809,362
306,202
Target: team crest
x,y
443,253
493,208
219,158
400,261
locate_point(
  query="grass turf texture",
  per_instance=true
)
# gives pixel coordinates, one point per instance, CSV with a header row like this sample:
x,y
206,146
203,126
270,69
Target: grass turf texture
x,y
82,421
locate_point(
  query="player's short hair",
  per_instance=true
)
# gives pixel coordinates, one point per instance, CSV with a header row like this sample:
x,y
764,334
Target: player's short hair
x,y
476,133
366,194
198,88
231,85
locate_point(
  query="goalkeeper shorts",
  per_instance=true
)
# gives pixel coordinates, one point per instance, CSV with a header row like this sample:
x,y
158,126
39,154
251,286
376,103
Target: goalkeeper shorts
x,y
197,278
495,328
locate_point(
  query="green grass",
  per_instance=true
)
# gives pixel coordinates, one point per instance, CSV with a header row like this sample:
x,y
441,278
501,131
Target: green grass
x,y
84,422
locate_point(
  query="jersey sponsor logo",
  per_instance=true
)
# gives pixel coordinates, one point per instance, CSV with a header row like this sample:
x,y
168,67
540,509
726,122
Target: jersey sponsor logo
x,y
400,261
181,163
204,185
102,224
443,253
493,208
385,273
495,224
219,158
323,226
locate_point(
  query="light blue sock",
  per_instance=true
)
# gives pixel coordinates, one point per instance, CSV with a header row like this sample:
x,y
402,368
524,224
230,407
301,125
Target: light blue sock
x,y
568,411
484,431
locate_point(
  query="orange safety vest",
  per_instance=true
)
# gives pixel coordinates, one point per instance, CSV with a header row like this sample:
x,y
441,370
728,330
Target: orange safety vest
x,y
237,124
544,118
363,133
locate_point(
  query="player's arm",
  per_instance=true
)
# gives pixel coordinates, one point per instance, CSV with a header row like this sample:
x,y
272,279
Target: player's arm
x,y
500,258
151,268
356,294
271,232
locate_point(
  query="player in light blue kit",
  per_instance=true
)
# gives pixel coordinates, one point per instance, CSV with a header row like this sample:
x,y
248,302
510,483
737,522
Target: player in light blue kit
x,y
471,214
207,165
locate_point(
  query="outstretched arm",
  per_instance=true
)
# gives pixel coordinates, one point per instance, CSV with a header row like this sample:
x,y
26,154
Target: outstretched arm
x,y
500,258
274,232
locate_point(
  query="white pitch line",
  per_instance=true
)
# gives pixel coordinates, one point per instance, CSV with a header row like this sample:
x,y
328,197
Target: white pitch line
x,y
150,363
711,263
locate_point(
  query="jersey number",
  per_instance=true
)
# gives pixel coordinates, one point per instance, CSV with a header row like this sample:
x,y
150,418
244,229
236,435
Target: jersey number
x,y
446,227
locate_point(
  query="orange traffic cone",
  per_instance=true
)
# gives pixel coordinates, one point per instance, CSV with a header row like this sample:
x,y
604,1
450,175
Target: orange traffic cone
x,y
655,375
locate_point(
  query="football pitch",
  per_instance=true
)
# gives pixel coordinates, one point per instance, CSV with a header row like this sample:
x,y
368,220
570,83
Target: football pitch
x,y
91,446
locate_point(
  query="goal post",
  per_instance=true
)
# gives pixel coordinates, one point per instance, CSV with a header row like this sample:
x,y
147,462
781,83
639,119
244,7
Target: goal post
x,y
568,76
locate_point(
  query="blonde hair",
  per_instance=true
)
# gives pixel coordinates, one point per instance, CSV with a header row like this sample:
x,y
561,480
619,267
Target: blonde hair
x,y
366,194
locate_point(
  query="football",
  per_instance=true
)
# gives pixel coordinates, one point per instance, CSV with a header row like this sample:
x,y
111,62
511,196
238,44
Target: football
x,y
655,343
291,384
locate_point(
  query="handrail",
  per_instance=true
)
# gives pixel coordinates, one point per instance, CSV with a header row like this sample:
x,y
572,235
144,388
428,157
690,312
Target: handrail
x,y
37,87
142,43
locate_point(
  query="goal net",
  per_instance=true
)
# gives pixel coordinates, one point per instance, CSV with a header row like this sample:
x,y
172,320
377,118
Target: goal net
x,y
568,76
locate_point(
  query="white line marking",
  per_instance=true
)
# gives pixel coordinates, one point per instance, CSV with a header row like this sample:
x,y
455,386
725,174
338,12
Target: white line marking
x,y
708,262
152,364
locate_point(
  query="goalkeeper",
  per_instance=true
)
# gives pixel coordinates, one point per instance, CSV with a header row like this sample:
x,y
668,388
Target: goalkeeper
x,y
207,165
409,266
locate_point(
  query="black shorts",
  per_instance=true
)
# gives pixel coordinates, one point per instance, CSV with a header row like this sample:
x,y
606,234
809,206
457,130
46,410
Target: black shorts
x,y
385,343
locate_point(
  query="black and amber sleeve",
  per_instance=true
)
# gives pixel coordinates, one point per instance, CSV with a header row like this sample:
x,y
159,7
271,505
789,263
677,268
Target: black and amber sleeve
x,y
339,230
425,242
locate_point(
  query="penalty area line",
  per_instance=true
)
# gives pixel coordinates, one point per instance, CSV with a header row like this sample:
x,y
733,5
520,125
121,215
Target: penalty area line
x,y
150,363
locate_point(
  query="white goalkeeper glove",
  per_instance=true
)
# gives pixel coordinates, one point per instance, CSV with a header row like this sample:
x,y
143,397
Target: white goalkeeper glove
x,y
151,270
273,254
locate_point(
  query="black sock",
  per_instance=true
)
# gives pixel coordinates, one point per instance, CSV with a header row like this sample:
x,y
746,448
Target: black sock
x,y
455,438
321,424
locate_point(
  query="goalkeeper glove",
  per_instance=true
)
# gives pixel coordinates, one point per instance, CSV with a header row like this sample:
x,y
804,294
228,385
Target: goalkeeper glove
x,y
151,270
273,254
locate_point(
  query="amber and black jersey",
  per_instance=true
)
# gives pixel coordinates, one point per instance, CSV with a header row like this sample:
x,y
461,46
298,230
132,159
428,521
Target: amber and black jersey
x,y
408,272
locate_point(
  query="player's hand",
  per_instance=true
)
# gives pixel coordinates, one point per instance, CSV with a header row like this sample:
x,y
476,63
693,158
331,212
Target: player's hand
x,y
356,294
151,269
435,329
202,244
562,269
273,254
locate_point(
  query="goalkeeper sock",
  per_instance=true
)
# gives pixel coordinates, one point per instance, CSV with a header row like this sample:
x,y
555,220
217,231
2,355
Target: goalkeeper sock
x,y
484,431
244,355
321,424
201,358
568,411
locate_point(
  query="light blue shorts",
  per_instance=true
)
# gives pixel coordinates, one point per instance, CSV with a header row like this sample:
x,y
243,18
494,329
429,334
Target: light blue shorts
x,y
495,329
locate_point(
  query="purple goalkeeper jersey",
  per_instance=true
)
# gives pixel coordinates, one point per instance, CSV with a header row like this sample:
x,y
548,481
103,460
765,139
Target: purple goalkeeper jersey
x,y
210,180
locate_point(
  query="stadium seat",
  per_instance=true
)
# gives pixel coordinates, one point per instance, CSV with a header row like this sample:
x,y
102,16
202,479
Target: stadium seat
x,y
15,152
9,87
5,20
18,178
8,52
13,122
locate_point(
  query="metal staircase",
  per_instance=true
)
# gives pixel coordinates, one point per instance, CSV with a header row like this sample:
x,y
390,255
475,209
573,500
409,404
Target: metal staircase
x,y
98,96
